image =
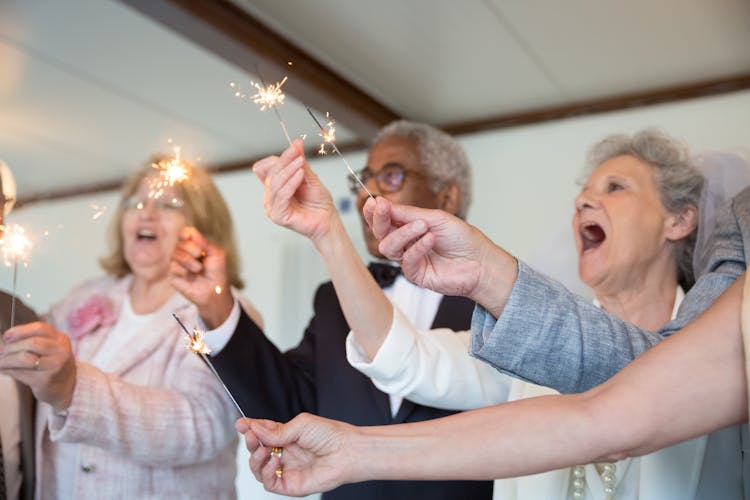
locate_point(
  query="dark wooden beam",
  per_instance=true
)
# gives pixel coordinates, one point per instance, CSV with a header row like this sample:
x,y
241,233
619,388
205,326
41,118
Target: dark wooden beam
x,y
236,36
594,106
231,166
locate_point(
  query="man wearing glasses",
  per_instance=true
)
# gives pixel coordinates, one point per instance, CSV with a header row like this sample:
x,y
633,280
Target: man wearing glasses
x,y
407,163
16,400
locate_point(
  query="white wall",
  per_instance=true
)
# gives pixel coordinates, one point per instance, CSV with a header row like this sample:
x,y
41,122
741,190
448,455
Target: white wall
x,y
524,181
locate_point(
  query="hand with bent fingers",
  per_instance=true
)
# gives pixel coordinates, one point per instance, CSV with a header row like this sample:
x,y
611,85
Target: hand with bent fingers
x,y
315,457
294,196
197,268
41,357
436,250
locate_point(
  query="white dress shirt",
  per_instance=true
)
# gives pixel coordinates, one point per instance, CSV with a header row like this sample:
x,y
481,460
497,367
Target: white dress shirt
x,y
417,304
434,369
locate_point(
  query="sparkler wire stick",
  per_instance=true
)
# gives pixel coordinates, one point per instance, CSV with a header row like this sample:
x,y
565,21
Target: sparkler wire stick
x,y
211,366
281,122
14,246
13,297
333,146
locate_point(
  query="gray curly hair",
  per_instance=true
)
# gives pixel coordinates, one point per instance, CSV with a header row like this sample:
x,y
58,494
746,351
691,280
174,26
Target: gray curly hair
x,y
442,157
677,178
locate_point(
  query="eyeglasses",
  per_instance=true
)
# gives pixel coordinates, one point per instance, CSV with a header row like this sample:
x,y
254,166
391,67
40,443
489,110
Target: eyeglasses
x,y
389,179
162,203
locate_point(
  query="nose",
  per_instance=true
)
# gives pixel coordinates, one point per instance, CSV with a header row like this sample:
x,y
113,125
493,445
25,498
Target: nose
x,y
586,199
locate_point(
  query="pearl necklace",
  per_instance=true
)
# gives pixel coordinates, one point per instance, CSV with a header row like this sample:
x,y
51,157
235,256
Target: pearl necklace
x,y
608,475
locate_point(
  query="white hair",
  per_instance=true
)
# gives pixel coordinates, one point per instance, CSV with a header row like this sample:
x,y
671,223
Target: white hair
x,y
442,157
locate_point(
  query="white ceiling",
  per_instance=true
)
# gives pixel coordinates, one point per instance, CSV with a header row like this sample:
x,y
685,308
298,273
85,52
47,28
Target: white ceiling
x,y
446,61
89,89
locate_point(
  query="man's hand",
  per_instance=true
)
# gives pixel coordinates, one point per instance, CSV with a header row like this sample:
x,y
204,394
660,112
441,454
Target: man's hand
x,y
443,253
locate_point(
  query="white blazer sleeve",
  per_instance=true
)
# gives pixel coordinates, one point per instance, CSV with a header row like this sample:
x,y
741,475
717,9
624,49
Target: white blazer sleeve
x,y
432,368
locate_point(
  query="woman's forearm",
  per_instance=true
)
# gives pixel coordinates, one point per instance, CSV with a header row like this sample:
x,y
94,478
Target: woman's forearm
x,y
690,384
366,308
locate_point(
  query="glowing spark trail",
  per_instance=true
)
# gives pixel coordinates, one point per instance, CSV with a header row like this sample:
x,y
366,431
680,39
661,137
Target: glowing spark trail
x,y
329,137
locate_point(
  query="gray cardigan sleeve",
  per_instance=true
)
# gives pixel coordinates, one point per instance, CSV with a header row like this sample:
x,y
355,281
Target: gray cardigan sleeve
x,y
551,337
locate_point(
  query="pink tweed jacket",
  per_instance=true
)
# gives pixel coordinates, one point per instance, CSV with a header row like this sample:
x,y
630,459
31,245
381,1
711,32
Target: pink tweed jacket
x,y
156,424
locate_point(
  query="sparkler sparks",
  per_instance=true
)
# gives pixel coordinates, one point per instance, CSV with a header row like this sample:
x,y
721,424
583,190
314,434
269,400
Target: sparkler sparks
x,y
14,245
199,347
171,172
329,137
98,212
197,344
268,97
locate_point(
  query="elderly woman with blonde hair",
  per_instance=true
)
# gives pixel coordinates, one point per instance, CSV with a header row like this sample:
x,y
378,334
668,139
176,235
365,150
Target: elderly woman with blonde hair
x,y
126,410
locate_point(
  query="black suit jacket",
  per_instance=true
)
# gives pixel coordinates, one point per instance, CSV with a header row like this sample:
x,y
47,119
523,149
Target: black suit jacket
x,y
27,405
315,377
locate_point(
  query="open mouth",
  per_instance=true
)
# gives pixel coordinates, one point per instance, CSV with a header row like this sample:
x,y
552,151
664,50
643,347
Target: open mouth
x,y
592,236
146,234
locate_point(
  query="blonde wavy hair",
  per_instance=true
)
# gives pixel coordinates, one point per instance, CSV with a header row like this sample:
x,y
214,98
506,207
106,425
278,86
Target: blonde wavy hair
x,y
205,209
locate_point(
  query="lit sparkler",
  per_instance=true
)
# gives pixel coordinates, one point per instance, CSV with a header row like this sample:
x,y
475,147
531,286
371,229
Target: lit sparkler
x,y
198,346
268,97
171,172
329,137
15,247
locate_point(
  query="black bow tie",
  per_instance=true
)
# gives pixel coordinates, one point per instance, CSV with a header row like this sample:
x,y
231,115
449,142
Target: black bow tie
x,y
384,274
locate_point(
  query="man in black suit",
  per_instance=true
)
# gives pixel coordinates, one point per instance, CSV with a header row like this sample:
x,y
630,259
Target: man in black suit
x,y
16,400
407,163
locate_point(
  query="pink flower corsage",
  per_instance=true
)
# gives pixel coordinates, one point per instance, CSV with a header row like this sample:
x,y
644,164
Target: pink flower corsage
x,y
90,316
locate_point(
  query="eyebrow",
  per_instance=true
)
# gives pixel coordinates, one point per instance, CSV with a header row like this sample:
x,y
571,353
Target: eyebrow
x,y
390,164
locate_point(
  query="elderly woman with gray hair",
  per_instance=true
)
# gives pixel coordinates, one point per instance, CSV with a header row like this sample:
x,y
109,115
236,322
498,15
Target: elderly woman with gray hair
x,y
634,227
